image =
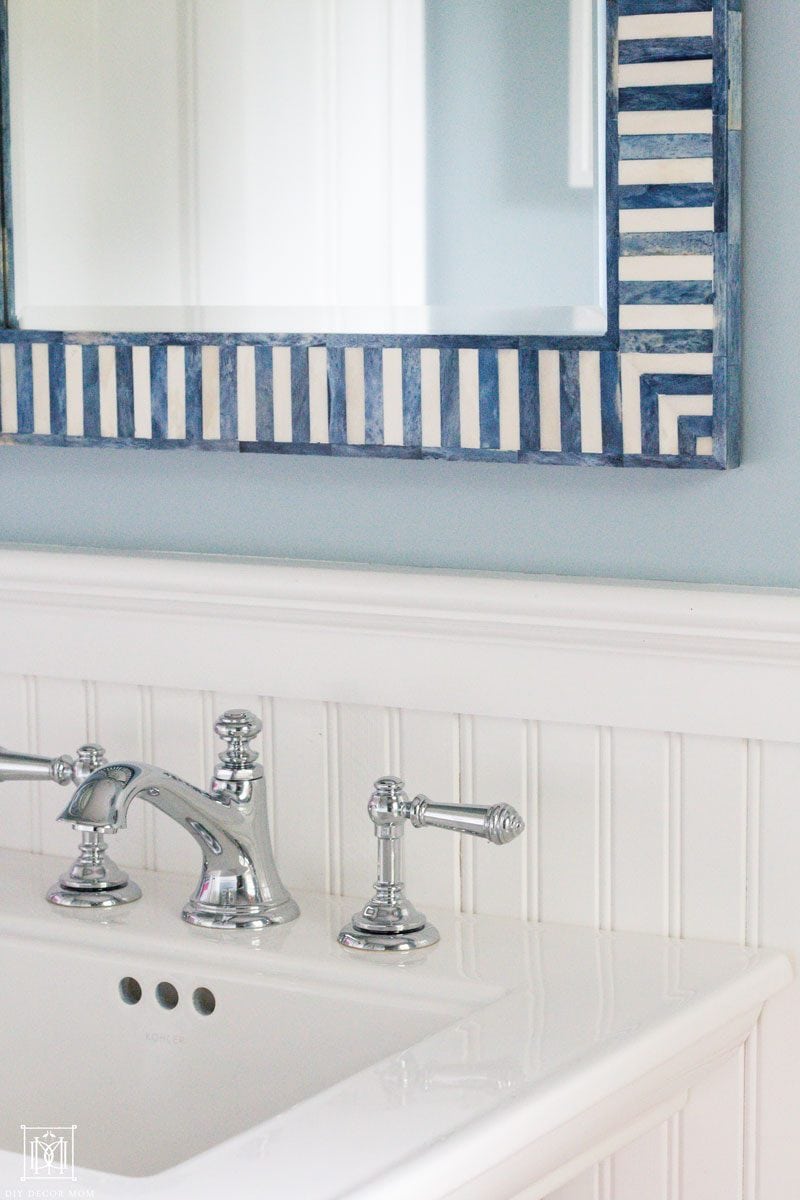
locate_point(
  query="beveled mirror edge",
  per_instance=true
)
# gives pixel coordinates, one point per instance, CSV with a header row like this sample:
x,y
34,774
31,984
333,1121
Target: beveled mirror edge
x,y
661,388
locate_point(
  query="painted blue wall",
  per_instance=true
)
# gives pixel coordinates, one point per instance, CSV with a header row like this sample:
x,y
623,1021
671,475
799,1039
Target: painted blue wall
x,y
740,527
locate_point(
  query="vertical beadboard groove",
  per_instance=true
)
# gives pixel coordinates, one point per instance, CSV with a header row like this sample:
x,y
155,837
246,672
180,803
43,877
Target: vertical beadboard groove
x,y
334,792
466,795
674,1156
675,904
753,847
90,697
605,816
394,742
146,736
32,727
750,1056
267,715
675,914
532,869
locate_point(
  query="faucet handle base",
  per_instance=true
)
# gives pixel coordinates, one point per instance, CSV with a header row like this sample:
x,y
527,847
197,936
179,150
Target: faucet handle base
x,y
353,938
65,897
94,880
239,916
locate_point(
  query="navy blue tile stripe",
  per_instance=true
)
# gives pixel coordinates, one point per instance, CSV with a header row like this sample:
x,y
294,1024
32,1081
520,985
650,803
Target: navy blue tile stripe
x,y
690,291
159,412
647,50
693,242
228,404
373,395
57,369
639,239
489,399
265,417
666,195
666,97
640,8
666,145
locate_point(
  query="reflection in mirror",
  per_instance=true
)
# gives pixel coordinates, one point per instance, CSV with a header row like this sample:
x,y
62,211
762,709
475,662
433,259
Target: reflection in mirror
x,y
361,166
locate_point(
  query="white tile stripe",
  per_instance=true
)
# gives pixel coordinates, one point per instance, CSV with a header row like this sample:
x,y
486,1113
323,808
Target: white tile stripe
x,y
431,399
508,388
41,388
210,388
355,397
683,120
661,74
591,415
107,372
246,393
666,170
176,392
670,408
318,416
666,25
469,399
550,401
73,366
666,316
142,411
282,393
666,220
666,267
9,419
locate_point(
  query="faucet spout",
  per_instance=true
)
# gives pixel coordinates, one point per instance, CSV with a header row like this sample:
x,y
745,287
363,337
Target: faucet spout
x,y
239,885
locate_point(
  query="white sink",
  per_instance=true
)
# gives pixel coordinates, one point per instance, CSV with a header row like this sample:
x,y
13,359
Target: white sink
x,y
509,1056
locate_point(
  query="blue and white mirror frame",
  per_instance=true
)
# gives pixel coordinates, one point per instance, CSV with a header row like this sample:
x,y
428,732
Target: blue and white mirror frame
x,y
661,388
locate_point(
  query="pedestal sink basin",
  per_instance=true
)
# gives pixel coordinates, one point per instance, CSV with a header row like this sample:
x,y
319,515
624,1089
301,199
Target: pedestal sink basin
x,y
176,1062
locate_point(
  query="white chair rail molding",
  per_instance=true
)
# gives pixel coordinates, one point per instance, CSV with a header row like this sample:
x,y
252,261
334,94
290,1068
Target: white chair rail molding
x,y
610,1011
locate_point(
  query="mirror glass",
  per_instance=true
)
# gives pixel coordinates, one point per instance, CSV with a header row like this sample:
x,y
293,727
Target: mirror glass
x,y
327,166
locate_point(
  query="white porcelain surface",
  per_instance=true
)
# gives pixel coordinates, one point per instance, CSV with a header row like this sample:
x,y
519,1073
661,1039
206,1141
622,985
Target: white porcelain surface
x,y
509,1054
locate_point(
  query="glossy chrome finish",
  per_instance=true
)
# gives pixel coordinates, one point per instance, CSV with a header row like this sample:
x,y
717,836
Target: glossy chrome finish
x,y
239,886
30,768
389,921
93,880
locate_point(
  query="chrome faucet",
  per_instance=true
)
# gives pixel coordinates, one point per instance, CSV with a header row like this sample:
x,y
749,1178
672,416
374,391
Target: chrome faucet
x,y
389,921
239,886
94,880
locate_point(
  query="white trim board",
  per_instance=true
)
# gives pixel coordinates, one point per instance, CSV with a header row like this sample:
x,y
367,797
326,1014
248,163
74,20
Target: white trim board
x,y
716,661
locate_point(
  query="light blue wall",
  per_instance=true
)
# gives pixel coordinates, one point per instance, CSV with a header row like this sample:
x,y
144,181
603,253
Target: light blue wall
x,y
740,527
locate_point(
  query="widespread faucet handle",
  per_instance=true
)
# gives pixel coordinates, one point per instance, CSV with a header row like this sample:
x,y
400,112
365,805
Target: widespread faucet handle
x,y
389,921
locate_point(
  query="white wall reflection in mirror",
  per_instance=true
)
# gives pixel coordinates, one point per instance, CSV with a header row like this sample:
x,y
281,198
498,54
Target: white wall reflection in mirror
x,y
340,166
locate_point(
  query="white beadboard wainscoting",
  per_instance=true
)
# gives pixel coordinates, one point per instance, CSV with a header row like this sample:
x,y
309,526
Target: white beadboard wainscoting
x,y
649,734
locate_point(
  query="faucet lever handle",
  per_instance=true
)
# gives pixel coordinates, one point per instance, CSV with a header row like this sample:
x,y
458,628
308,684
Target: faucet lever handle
x,y
238,727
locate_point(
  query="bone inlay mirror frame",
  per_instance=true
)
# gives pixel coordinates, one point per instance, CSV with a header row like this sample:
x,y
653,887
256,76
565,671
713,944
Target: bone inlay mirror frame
x,y
660,388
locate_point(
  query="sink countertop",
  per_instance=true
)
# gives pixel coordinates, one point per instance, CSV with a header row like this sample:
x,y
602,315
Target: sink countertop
x,y
554,1041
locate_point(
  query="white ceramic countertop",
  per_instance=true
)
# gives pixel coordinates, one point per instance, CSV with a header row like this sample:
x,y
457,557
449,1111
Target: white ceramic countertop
x,y
551,1043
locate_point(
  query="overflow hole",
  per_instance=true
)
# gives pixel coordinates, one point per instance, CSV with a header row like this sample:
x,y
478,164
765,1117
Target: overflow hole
x,y
167,995
204,1001
130,990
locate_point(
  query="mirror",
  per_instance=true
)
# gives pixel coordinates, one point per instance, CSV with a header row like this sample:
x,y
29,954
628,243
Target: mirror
x,y
327,166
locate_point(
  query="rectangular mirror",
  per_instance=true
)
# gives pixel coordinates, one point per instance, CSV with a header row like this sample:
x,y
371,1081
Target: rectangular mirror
x,y
505,230
348,166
